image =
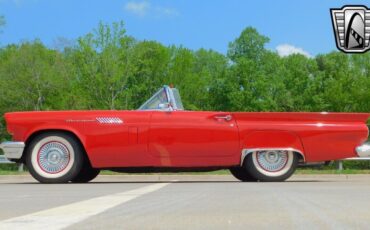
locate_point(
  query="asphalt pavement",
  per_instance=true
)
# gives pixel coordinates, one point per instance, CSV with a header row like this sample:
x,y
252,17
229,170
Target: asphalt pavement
x,y
187,202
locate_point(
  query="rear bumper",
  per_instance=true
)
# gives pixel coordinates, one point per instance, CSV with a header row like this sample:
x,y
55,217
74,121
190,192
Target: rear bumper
x,y
363,150
12,149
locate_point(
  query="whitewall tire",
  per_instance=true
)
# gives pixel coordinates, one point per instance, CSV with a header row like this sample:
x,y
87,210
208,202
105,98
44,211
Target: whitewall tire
x,y
271,165
54,157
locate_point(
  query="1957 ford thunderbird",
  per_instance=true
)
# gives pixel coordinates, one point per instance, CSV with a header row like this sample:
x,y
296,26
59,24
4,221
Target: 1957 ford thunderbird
x,y
73,146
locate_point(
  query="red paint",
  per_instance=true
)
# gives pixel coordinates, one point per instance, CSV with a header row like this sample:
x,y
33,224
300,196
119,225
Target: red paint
x,y
196,139
187,136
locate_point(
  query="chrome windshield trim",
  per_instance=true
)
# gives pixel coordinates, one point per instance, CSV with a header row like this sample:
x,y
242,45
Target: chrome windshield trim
x,y
12,149
169,96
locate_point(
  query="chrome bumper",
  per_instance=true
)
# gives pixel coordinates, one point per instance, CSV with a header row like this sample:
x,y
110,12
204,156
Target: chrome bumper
x,y
363,150
12,149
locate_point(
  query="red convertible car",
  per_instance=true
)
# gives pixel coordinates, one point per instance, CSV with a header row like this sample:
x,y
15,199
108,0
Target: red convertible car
x,y
73,146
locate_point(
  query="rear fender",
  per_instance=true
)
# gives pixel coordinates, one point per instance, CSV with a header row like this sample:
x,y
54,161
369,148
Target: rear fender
x,y
271,140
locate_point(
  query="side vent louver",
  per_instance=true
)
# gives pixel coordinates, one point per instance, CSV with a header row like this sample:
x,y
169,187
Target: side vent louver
x,y
109,120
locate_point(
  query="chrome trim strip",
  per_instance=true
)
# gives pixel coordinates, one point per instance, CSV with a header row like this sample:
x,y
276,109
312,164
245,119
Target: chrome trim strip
x,y
12,149
171,98
357,158
109,120
245,152
363,150
73,120
4,160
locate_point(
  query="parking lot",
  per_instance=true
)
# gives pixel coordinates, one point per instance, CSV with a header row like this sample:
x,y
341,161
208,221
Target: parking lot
x,y
187,202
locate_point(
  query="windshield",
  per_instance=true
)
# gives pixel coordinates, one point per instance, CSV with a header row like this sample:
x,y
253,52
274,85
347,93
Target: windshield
x,y
177,98
159,97
164,99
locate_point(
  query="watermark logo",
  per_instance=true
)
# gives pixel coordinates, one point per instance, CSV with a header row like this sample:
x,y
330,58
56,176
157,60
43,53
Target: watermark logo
x,y
352,28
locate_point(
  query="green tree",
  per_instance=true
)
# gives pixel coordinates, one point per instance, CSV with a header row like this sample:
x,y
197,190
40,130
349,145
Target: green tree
x,y
102,66
255,76
337,82
181,74
209,67
31,78
150,61
360,88
250,44
299,74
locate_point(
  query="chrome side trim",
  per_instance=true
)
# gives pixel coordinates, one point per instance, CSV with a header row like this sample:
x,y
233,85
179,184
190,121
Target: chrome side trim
x,y
357,159
245,152
4,160
12,149
363,150
82,121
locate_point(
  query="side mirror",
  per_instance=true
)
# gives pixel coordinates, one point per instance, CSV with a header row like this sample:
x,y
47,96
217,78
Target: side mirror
x,y
164,106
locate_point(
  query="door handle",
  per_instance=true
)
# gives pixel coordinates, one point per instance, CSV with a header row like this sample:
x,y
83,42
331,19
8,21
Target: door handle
x,y
225,117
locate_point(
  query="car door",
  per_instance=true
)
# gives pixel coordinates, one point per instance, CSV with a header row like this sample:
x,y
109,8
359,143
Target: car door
x,y
191,138
118,138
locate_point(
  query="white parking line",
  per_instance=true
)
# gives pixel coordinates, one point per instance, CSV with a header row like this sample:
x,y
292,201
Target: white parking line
x,y
66,215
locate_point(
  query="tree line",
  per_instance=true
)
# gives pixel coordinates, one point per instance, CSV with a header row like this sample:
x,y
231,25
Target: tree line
x,y
108,69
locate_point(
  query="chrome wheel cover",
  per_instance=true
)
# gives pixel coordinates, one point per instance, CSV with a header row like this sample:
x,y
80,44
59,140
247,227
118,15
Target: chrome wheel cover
x,y
273,162
52,157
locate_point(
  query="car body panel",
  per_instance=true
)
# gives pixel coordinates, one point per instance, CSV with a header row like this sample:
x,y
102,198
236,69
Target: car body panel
x,y
320,136
279,139
162,134
189,138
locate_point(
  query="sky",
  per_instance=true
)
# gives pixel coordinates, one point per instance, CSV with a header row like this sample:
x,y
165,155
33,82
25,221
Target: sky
x,y
292,26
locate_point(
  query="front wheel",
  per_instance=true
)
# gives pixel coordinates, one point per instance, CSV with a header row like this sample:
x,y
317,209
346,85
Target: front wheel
x,y
271,165
241,174
54,157
86,174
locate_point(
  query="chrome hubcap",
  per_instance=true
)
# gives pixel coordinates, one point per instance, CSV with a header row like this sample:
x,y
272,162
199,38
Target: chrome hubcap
x,y
53,157
272,161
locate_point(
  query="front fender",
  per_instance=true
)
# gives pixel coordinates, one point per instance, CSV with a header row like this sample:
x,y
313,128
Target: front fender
x,y
43,128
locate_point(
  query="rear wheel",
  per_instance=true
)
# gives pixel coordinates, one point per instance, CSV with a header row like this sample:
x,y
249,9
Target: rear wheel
x,y
271,165
54,157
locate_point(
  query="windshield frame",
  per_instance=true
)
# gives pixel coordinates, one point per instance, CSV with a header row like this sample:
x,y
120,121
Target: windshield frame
x,y
173,100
